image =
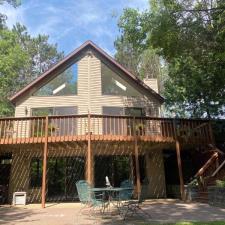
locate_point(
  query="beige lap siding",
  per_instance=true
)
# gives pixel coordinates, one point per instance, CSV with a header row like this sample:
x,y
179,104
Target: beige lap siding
x,y
89,94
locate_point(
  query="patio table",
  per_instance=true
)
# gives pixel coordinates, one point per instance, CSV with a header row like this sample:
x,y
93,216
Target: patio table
x,y
111,191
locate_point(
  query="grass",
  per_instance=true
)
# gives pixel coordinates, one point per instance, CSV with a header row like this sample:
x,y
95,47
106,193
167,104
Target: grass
x,y
198,223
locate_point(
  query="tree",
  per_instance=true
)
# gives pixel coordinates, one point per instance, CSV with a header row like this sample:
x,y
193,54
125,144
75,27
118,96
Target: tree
x,y
3,17
132,52
189,36
22,59
42,55
13,59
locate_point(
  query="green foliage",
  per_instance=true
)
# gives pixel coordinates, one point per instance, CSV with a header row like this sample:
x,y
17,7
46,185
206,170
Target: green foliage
x,y
22,59
189,36
3,17
198,223
220,183
13,59
193,183
131,51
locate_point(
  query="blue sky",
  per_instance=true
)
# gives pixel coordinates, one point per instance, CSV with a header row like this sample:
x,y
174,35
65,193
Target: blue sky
x,y
71,22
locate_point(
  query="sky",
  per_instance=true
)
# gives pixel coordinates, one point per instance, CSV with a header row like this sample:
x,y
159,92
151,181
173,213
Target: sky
x,y
69,23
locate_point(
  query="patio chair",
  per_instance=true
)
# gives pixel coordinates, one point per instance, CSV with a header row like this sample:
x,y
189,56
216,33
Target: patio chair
x,y
98,201
88,197
83,192
132,207
126,194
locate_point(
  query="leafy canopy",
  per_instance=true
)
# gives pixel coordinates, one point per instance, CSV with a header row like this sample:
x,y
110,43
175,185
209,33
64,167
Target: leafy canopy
x,y
22,59
189,36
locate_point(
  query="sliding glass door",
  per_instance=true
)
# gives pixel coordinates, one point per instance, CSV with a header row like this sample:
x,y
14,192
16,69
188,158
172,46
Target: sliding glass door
x,y
63,173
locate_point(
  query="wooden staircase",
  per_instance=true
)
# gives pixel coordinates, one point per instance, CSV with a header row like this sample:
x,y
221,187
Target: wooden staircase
x,y
212,170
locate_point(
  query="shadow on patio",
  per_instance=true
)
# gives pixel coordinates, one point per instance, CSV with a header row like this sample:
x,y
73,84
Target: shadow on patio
x,y
11,215
162,211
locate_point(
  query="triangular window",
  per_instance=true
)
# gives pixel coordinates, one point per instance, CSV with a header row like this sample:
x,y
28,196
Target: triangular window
x,y
113,84
64,84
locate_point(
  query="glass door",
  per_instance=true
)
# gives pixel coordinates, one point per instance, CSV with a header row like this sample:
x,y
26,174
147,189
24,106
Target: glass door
x,y
63,173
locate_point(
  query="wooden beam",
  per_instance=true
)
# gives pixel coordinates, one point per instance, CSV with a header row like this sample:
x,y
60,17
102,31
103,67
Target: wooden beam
x,y
211,135
43,190
137,161
89,155
180,170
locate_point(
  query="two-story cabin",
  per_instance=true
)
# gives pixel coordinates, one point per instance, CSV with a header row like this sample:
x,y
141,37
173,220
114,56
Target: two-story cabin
x,y
89,117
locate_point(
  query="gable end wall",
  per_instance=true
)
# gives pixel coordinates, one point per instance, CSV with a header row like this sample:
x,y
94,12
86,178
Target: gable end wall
x,y
89,96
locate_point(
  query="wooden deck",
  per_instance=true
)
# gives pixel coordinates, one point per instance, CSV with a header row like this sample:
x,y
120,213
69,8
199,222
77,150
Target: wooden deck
x,y
96,128
73,128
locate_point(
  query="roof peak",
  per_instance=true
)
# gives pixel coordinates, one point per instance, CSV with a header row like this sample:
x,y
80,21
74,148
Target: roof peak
x,y
61,64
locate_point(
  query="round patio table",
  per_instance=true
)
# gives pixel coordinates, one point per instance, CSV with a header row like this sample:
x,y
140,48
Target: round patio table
x,y
110,191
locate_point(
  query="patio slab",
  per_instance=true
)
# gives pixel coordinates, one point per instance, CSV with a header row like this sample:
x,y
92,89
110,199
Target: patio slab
x,y
162,211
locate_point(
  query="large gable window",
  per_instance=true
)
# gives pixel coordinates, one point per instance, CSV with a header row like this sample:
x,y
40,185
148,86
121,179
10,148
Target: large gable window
x,y
64,84
113,84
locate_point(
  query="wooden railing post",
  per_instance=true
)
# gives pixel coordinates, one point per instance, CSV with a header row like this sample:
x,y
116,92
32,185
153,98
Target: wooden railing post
x,y
44,172
179,163
89,156
212,140
138,181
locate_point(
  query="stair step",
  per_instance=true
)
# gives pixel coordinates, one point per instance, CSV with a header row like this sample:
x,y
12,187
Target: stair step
x,y
204,194
201,199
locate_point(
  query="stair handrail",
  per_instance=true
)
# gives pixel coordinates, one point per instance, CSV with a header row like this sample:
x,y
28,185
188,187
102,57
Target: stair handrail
x,y
218,169
214,148
206,165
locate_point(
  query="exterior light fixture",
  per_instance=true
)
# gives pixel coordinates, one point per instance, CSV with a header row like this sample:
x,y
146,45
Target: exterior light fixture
x,y
26,110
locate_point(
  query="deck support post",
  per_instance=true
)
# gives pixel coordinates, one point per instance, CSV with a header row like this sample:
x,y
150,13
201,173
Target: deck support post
x,y
180,170
138,181
44,172
89,155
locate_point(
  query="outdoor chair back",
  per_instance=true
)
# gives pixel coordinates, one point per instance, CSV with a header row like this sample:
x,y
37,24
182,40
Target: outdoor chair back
x,y
88,197
83,190
132,207
126,194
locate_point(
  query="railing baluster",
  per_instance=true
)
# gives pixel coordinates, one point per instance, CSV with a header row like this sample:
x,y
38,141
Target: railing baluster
x,y
65,128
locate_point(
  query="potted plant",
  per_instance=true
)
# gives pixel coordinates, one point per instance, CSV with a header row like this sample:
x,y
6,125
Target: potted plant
x,y
217,194
192,190
51,129
140,129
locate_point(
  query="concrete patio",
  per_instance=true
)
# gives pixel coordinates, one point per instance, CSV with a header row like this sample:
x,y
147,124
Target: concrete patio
x,y
162,211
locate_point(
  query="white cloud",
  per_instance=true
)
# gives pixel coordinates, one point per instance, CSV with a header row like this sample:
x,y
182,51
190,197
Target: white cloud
x,y
13,14
72,22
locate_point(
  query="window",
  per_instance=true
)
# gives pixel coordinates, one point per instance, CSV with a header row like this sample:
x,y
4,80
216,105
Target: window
x,y
113,111
64,84
66,126
36,172
132,111
112,125
118,126
49,111
113,84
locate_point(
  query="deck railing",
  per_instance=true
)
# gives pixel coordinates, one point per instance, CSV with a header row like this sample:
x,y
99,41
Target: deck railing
x,y
72,127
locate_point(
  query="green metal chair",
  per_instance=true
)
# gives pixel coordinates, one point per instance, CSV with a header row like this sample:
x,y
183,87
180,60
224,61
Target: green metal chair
x,y
83,191
125,195
132,207
88,197
98,201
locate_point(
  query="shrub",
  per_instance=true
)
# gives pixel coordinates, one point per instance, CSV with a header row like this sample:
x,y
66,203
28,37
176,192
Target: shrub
x,y
220,183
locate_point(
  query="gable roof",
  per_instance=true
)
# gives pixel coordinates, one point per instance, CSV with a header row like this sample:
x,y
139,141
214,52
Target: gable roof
x,y
71,56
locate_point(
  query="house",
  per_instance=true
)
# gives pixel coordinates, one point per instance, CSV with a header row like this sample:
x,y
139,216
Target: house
x,y
88,117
